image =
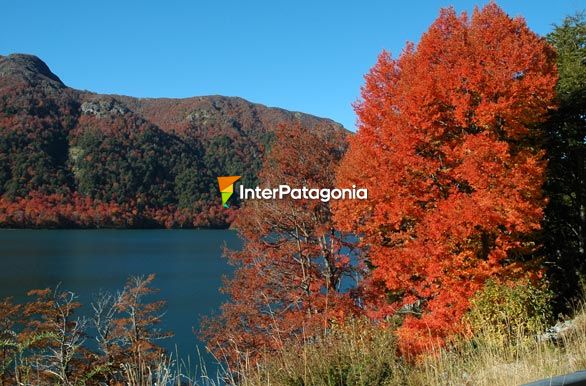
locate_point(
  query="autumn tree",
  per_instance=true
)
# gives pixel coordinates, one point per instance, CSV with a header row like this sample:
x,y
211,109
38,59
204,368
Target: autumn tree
x,y
128,331
293,268
9,343
447,148
57,336
44,341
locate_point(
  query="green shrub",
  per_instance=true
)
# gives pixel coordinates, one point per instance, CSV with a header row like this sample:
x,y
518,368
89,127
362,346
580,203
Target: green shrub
x,y
503,312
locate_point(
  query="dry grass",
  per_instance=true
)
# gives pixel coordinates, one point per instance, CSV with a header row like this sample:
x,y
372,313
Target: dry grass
x,y
357,354
362,354
515,362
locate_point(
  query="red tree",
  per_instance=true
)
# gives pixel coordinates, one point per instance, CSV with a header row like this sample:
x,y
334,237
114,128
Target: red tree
x,y
447,149
288,281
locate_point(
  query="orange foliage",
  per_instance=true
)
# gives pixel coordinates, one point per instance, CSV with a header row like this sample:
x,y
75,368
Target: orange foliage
x,y
447,149
77,211
288,283
46,342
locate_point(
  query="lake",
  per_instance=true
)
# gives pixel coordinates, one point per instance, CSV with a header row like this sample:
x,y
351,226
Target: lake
x,y
188,264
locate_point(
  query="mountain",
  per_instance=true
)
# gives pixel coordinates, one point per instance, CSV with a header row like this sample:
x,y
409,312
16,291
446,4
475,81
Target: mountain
x,y
71,158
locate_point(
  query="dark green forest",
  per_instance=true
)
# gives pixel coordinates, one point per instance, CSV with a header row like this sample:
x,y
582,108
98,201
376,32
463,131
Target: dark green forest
x,y
76,159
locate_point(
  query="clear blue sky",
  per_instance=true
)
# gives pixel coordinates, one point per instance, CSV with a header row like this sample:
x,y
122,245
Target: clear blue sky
x,y
301,55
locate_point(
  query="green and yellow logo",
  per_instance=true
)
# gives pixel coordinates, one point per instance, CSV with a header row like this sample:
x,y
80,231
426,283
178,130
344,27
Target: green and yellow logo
x,y
227,188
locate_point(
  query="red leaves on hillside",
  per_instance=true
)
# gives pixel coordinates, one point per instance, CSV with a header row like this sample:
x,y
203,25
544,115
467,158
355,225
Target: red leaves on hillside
x,y
76,211
446,147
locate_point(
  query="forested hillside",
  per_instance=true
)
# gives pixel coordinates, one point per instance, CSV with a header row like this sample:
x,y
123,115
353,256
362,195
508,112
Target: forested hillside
x,y
71,158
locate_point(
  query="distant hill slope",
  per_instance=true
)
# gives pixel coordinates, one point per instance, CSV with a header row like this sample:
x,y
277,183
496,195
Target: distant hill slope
x,y
71,158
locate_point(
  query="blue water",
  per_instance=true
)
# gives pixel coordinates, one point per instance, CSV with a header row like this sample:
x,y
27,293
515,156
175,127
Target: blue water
x,y
188,265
